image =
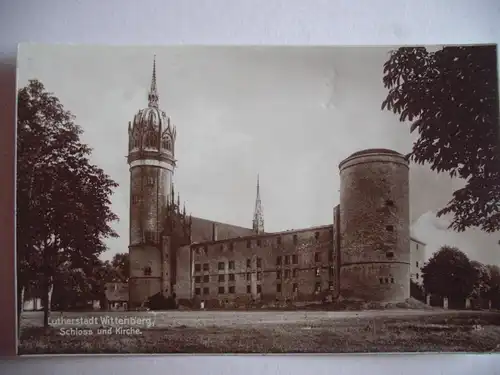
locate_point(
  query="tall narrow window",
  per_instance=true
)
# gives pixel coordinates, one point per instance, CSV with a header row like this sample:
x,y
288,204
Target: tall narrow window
x,y
295,239
147,271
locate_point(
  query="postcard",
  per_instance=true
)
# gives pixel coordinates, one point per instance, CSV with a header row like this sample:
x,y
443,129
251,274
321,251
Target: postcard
x,y
253,199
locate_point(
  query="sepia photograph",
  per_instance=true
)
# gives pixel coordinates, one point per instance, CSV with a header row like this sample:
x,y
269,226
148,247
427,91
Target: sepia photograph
x,y
244,199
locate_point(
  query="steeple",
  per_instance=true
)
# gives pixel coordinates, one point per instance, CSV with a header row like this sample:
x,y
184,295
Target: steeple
x,y
258,215
153,92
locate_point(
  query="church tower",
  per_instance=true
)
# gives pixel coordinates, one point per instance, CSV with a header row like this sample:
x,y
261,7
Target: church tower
x,y
151,152
258,215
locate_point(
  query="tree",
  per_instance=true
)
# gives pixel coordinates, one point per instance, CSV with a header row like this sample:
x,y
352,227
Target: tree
x,y
494,290
449,273
451,99
120,263
416,291
63,201
482,285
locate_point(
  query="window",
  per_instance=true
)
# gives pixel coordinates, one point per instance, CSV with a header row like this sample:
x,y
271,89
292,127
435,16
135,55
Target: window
x,y
295,240
316,236
137,142
390,254
259,288
295,272
221,290
417,246
249,244
278,241
221,266
221,278
330,271
259,262
417,276
136,199
231,277
278,260
206,291
278,288
317,287
231,264
295,259
287,259
249,276
231,289
330,285
259,275
150,181
259,243
147,271
197,279
381,280
295,288
166,143
390,228
231,246
197,291
317,271
197,267
278,275
416,263
317,257
206,278
249,289
392,280
249,263
205,250
389,202
206,267
386,280
287,274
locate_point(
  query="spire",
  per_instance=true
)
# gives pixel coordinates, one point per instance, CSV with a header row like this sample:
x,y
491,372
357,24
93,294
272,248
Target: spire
x,y
153,92
258,215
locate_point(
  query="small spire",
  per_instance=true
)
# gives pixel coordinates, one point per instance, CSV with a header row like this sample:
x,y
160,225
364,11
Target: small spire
x,y
178,202
172,193
184,209
258,216
153,97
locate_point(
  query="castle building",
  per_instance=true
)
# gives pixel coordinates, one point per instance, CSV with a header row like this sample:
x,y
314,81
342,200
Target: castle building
x,y
364,254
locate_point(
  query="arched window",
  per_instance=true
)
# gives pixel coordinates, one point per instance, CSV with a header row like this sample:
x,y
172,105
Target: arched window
x,y
151,140
137,141
147,271
166,144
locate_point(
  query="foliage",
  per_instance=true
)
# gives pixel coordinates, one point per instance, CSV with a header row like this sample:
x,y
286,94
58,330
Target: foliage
x,y
63,201
121,264
451,99
417,291
449,273
482,283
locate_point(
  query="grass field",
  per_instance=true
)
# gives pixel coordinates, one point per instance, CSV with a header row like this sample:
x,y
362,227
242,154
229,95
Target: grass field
x,y
285,332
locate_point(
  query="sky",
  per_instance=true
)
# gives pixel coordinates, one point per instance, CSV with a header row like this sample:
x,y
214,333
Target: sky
x,y
289,114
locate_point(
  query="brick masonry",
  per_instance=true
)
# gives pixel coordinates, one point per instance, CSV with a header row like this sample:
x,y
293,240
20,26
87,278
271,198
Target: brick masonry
x,y
374,226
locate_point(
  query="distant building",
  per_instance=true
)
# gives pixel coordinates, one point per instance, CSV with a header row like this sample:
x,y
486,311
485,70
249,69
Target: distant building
x,y
116,296
417,251
363,254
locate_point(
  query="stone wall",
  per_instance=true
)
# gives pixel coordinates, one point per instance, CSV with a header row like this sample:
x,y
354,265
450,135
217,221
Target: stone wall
x,y
374,226
293,265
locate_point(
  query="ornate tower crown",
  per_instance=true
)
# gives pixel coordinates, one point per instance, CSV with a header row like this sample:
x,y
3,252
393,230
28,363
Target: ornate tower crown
x,y
258,215
151,129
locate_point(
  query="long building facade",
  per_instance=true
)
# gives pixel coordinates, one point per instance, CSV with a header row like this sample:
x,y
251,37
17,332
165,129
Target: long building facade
x,y
364,254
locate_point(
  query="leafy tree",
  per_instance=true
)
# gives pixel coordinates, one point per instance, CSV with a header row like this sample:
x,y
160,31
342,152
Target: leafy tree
x,y
416,291
449,273
63,201
450,97
482,285
494,290
120,263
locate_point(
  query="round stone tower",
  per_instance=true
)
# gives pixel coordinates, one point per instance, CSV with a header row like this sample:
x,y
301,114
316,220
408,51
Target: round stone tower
x,y
151,160
374,226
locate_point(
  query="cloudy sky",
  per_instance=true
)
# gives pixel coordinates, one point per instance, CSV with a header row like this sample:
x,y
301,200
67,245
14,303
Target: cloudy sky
x,y
290,114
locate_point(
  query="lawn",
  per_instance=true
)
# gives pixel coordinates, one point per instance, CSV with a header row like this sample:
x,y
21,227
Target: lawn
x,y
471,332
